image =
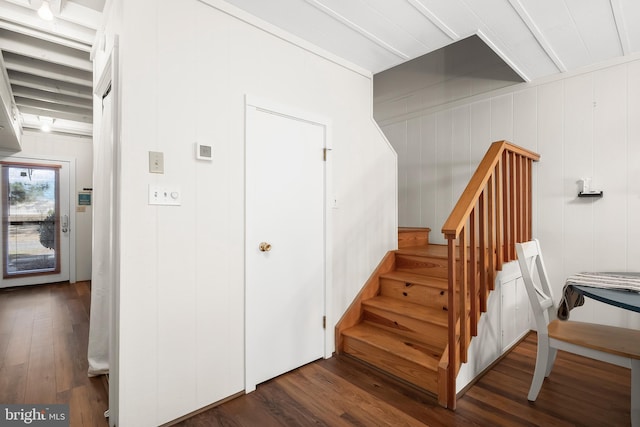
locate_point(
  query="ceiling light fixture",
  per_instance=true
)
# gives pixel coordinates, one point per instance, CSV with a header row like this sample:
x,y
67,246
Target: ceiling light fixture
x,y
46,123
45,11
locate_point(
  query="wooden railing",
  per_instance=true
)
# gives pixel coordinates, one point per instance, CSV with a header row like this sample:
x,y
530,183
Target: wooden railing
x,y
491,216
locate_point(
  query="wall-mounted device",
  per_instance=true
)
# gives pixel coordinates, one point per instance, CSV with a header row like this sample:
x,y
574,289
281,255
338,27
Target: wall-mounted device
x,y
204,152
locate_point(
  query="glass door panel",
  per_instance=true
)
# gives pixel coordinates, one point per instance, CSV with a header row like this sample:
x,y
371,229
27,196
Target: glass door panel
x,y
31,220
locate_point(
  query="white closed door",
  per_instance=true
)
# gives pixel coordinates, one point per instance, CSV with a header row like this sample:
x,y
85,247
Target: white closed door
x,y
285,278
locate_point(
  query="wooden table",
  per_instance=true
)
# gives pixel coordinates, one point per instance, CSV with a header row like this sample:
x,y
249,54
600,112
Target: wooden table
x,y
629,300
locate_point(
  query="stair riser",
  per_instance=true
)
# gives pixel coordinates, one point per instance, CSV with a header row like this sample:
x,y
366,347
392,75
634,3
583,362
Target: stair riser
x,y
435,335
414,293
401,368
430,348
412,238
435,267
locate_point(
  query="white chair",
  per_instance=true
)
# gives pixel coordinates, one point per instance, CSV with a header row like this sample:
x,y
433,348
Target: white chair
x,y
619,346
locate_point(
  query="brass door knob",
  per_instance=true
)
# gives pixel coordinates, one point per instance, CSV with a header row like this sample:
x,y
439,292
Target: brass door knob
x,y
264,247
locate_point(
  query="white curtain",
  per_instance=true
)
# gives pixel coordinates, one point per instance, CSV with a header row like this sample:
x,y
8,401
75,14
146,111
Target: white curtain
x,y
102,257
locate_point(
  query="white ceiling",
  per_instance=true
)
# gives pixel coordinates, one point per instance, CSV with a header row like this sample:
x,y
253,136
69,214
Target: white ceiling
x,y
47,64
535,37
49,70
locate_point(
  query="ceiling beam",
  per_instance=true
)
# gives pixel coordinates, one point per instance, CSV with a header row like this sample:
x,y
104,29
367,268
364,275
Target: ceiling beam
x,y
47,109
623,34
9,124
28,17
54,86
31,32
424,10
44,69
540,38
40,95
43,50
32,121
60,130
78,14
355,27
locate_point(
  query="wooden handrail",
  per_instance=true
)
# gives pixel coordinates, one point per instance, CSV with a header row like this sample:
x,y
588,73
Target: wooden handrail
x,y
491,216
470,195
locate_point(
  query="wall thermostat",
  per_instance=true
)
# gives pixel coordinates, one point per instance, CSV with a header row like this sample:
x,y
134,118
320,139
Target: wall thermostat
x,y
203,152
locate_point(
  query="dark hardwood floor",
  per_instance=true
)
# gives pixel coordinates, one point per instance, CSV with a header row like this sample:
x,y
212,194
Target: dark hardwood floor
x,y
343,392
43,347
43,350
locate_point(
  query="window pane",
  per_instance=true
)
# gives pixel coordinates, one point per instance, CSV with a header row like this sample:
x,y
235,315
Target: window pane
x,y
31,227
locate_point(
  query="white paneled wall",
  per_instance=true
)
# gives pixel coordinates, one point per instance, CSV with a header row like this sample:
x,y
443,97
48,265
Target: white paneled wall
x,y
186,67
583,125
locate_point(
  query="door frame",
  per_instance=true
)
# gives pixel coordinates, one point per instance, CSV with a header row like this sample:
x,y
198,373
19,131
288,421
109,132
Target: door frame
x,y
294,113
71,163
110,77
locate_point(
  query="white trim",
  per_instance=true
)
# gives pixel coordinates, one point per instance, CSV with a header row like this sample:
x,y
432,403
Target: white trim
x,y
110,75
260,24
265,104
393,151
485,38
621,26
105,77
273,107
114,345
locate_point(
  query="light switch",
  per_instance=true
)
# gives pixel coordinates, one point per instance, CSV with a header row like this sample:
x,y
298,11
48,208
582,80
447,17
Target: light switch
x,y
165,195
156,162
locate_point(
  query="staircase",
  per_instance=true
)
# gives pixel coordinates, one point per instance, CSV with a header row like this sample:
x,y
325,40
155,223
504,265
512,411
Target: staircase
x,y
404,326
416,315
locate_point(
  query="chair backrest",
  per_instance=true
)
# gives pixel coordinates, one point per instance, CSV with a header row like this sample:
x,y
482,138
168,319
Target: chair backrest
x,y
537,285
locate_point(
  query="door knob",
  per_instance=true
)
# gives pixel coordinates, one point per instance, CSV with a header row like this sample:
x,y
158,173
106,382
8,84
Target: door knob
x,y
264,247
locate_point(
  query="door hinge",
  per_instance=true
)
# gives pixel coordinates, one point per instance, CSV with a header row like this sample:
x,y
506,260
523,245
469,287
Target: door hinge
x,y
324,153
324,322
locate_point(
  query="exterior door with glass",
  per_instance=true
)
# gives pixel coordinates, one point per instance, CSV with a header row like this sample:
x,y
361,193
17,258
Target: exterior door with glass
x,y
36,222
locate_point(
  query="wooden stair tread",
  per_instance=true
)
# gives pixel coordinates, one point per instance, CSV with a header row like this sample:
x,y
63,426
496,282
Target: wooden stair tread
x,y
417,279
408,309
405,348
413,229
432,250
